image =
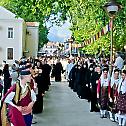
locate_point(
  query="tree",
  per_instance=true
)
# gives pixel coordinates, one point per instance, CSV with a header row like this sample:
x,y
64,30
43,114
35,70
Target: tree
x,y
87,18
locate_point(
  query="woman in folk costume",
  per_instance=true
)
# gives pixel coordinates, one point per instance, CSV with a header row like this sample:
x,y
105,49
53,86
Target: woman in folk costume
x,y
103,92
19,100
121,100
115,79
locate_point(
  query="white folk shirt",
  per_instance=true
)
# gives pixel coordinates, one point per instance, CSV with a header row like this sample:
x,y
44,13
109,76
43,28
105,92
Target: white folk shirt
x,y
11,95
115,81
123,87
69,67
105,82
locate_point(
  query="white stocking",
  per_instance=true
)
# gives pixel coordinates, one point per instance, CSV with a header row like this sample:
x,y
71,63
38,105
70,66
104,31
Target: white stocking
x,y
123,122
116,117
119,118
110,114
102,112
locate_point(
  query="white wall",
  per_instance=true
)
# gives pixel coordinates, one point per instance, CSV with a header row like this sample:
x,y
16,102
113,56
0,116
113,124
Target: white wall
x,y
5,42
32,40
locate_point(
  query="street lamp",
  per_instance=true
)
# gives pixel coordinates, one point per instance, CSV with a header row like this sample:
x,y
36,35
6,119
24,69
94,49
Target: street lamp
x,y
112,7
70,41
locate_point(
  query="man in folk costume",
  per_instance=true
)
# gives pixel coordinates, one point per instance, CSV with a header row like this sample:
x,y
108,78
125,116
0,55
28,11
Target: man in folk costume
x,y
115,79
103,92
19,100
121,100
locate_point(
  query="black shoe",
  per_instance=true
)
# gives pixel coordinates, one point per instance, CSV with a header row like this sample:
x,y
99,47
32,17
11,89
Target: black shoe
x,y
91,110
97,110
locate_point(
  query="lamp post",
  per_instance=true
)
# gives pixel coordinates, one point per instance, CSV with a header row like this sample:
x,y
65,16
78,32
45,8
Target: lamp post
x,y
112,7
70,42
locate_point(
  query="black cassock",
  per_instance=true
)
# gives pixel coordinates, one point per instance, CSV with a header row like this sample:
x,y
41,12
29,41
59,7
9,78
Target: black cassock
x,y
38,106
83,87
58,69
46,69
72,77
43,82
95,76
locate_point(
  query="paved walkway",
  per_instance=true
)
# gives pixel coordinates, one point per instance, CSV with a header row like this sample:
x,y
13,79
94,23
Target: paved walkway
x,y
62,107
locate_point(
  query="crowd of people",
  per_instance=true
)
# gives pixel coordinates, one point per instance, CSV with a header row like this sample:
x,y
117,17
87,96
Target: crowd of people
x,y
24,84
92,80
22,87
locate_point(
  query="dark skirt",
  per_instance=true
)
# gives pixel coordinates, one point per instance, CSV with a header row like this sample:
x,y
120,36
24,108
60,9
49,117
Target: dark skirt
x,y
112,105
121,103
104,98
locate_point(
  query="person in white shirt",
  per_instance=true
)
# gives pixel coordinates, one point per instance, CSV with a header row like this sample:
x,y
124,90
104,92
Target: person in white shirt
x,y
119,62
68,68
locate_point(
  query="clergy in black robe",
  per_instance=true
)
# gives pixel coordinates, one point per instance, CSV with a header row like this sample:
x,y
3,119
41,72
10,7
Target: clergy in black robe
x,y
94,79
77,78
83,90
58,70
46,69
38,106
72,77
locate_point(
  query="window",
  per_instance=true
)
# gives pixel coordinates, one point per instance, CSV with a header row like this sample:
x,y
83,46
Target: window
x,y
10,53
10,32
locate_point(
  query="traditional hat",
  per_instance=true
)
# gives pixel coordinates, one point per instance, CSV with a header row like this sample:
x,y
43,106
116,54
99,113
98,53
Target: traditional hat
x,y
24,67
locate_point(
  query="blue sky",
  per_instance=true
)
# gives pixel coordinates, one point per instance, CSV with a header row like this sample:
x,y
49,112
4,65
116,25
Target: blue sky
x,y
59,34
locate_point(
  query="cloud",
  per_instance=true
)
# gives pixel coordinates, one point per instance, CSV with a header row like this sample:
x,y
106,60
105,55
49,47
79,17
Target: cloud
x,y
60,34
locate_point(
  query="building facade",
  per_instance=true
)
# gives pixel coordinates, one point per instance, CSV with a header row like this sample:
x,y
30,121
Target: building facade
x,y
32,39
13,37
50,49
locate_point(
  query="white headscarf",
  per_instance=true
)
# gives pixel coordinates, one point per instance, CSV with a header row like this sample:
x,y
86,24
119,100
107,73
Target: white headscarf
x,y
105,82
113,81
120,88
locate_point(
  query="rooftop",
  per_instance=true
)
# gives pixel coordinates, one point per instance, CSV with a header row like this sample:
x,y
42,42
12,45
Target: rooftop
x,y
32,24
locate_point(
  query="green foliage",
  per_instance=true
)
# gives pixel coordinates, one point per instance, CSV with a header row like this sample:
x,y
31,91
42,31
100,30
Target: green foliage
x,y
43,32
87,18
